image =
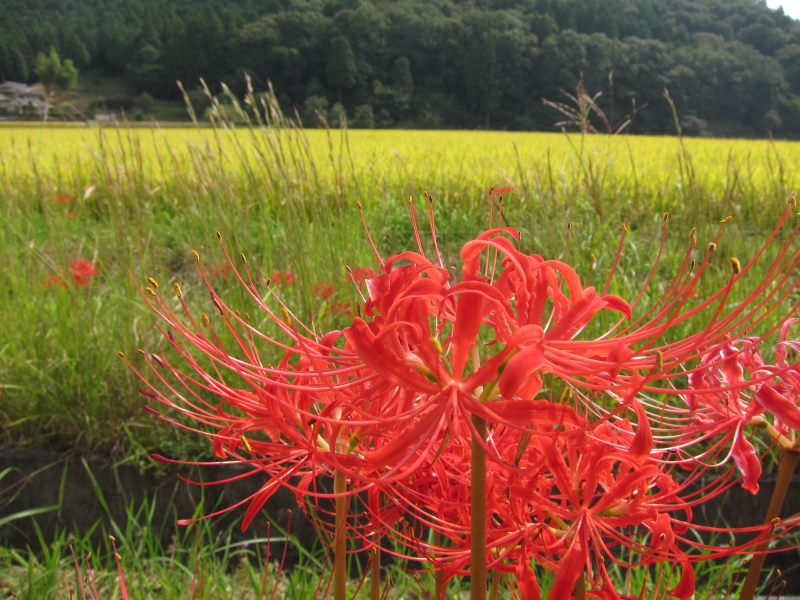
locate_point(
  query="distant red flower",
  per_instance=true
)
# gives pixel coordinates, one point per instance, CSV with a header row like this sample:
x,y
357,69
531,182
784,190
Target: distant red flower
x,y
82,270
220,270
71,213
341,308
360,274
55,281
62,198
282,278
500,191
323,290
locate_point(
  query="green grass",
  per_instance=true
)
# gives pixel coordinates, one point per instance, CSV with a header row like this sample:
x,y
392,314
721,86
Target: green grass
x,y
203,561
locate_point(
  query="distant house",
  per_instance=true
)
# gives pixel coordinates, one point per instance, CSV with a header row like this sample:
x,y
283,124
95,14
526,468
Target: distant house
x,y
20,100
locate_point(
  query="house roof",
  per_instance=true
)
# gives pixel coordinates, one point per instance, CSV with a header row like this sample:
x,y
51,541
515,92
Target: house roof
x,y
13,86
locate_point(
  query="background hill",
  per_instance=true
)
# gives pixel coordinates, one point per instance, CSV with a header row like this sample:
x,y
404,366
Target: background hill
x,y
732,66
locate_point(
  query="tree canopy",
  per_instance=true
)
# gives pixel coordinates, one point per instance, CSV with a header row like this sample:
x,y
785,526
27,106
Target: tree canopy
x,y
732,66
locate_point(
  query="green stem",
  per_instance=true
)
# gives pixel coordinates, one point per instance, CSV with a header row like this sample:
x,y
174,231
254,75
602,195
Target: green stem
x,y
785,470
478,512
340,538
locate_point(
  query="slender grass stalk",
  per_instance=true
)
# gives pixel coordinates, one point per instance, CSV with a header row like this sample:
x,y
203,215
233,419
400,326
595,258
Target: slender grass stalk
x,y
478,577
340,539
786,468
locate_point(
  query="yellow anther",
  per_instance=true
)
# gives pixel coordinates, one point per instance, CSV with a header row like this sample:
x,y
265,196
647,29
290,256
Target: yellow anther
x,y
178,291
204,319
152,282
219,236
712,247
736,265
121,354
243,257
693,236
666,216
246,444
196,255
150,291
727,219
625,227
286,316
437,345
112,538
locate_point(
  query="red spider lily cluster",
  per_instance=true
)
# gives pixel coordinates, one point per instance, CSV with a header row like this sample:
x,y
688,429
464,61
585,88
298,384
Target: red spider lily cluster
x,y
326,291
602,429
65,200
80,273
282,278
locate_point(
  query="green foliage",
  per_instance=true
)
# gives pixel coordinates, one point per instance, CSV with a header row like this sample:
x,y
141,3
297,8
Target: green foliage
x,y
731,64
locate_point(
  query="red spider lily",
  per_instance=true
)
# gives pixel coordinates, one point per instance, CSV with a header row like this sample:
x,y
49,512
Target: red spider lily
x,y
743,391
359,275
340,308
61,198
388,403
55,281
568,496
82,270
323,290
71,213
220,271
282,278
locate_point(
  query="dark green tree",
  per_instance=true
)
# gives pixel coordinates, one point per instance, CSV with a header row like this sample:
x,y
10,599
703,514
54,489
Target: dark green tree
x,y
480,80
55,74
401,78
13,65
72,45
341,70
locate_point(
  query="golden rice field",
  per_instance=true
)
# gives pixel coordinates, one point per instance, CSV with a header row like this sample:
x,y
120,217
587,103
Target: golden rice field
x,y
540,165
86,211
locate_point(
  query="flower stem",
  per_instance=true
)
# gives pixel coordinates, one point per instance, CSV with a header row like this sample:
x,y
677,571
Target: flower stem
x,y
785,470
579,591
438,576
340,539
375,573
478,512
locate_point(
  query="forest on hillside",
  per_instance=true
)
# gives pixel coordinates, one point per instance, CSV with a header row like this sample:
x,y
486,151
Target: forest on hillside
x,y
732,67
